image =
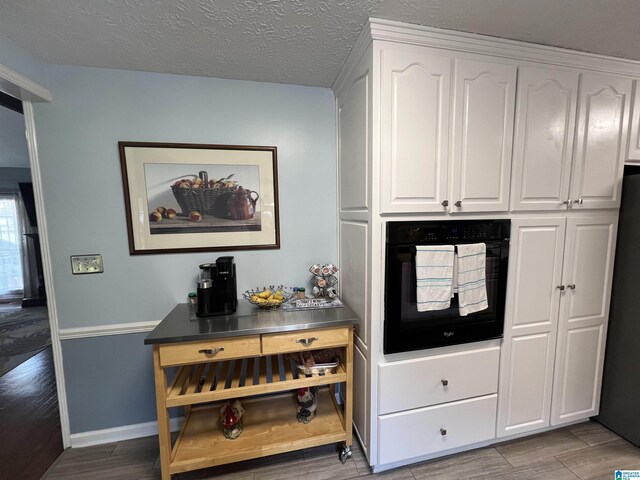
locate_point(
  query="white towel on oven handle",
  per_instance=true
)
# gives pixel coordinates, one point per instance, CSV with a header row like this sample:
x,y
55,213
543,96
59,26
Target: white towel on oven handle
x,y
434,277
472,284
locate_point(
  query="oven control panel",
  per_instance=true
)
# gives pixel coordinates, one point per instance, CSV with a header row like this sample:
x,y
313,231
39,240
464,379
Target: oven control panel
x,y
471,232
454,231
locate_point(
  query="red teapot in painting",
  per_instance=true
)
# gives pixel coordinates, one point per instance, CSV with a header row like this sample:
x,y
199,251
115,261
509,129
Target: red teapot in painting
x,y
242,204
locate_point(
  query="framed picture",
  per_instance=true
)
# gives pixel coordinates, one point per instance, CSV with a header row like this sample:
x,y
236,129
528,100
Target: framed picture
x,y
196,198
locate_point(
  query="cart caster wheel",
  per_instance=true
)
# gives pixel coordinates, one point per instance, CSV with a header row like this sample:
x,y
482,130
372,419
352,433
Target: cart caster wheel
x,y
345,454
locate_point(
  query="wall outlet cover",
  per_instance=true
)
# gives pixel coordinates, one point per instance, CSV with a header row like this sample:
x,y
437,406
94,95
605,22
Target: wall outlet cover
x,y
82,264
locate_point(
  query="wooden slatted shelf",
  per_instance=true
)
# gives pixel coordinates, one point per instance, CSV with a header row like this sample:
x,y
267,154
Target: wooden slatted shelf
x,y
270,427
208,382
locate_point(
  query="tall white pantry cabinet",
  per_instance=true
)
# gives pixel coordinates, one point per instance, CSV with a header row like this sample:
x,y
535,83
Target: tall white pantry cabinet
x,y
435,124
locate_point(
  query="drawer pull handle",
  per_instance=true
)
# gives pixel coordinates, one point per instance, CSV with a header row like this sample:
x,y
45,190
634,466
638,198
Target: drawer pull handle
x,y
445,382
443,431
210,352
307,341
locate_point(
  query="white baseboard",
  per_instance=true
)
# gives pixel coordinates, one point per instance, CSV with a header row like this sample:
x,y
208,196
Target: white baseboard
x,y
117,434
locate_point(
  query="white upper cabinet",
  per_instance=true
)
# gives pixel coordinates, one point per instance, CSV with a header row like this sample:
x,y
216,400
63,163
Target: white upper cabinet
x,y
634,137
483,112
419,173
568,153
543,144
601,141
414,112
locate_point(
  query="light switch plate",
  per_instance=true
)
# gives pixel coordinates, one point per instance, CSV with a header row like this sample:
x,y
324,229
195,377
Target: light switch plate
x,y
81,264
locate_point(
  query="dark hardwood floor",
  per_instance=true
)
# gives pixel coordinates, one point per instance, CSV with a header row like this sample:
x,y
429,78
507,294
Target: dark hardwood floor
x,y
30,435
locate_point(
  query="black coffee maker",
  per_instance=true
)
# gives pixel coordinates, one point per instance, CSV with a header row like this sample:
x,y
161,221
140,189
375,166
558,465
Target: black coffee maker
x,y
217,290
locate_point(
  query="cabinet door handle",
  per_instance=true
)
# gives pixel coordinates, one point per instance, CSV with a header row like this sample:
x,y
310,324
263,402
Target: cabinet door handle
x,y
561,288
572,286
579,201
307,341
458,203
443,431
445,203
445,382
211,352
568,203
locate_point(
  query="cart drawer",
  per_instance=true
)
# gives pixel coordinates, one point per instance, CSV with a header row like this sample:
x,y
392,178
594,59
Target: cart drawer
x,y
421,382
209,350
304,340
420,432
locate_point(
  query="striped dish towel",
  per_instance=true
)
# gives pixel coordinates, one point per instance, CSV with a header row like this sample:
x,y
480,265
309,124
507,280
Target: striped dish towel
x,y
434,277
472,285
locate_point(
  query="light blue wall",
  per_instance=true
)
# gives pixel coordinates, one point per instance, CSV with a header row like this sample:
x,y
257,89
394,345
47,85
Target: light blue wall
x,y
10,177
13,140
22,62
82,185
109,382
77,142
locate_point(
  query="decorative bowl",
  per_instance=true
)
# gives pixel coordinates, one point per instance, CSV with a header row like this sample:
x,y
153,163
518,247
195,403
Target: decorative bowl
x,y
268,297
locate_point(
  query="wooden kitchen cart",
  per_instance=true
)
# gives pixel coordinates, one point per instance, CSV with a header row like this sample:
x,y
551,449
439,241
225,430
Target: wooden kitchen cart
x,y
248,367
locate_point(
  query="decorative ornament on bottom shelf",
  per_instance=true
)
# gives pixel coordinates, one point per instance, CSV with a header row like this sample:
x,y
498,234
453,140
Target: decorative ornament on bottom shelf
x,y
231,419
307,404
324,280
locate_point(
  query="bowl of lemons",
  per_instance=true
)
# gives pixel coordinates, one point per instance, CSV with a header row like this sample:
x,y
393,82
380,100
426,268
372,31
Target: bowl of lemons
x,y
268,297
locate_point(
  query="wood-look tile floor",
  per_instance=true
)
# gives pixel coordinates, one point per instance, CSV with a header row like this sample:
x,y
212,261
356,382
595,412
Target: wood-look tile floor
x,y
585,451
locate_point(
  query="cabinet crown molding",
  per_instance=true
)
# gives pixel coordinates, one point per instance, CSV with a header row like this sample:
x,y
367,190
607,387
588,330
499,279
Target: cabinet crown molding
x,y
399,32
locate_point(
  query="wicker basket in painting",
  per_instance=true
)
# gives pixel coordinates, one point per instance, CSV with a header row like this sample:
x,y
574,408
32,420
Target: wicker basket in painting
x,y
208,201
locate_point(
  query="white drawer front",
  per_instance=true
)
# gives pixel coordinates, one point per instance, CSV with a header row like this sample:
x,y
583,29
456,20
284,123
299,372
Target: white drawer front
x,y
442,378
424,431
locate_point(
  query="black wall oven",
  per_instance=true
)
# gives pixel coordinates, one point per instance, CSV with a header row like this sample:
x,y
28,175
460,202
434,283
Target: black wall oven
x,y
405,328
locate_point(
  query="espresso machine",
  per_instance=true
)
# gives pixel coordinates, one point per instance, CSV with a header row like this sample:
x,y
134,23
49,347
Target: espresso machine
x,y
217,289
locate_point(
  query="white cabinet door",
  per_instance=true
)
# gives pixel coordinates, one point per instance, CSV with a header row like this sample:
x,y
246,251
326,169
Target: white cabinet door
x,y
584,311
543,140
634,137
414,112
528,351
484,99
601,141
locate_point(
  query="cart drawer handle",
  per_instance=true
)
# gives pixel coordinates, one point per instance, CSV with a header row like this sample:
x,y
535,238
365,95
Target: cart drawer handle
x,y
210,352
307,341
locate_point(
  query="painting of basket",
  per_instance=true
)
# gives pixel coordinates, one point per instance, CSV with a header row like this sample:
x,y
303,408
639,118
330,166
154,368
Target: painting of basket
x,y
183,197
208,201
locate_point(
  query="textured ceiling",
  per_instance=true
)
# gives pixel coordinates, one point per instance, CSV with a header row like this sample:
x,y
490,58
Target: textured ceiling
x,y
290,41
